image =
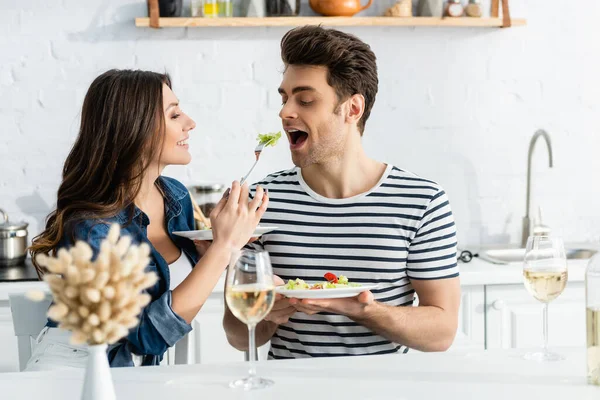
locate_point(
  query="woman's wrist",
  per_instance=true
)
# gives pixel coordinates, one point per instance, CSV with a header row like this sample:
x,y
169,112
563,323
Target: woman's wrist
x,y
220,251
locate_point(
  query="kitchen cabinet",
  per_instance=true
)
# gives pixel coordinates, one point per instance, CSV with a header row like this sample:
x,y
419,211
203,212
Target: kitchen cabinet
x,y
206,343
491,316
471,319
514,318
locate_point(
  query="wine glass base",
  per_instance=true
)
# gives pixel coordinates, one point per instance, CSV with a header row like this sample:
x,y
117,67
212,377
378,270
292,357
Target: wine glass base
x,y
543,356
251,383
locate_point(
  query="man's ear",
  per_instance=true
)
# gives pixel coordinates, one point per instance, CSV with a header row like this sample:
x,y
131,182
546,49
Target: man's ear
x,y
356,108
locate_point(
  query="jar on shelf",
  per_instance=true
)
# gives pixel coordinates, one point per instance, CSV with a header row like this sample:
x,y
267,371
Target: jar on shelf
x,y
402,8
430,8
170,8
474,9
454,8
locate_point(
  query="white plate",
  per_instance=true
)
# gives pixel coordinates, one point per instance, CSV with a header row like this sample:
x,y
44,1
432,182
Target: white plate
x,y
207,234
325,293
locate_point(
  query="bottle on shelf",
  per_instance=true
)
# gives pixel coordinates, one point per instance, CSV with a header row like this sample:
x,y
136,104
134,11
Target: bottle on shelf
x,y
210,8
196,8
592,311
225,8
256,9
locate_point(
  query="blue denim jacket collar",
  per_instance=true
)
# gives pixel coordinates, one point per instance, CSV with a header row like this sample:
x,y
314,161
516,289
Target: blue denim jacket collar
x,y
173,197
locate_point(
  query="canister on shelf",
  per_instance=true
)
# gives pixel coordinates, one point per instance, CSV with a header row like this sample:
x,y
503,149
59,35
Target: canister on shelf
x,y
430,8
280,8
474,9
402,8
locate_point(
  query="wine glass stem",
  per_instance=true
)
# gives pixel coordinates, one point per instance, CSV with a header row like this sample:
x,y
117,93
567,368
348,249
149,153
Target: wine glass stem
x,y
545,327
251,350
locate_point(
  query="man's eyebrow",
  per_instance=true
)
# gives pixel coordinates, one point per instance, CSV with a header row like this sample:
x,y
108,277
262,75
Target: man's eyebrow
x,y
298,89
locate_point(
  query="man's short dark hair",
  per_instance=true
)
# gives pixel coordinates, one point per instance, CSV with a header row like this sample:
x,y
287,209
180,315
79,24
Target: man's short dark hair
x,y
351,64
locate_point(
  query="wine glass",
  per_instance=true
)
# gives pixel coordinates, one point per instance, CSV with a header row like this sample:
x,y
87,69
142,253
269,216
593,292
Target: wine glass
x,y
250,294
545,275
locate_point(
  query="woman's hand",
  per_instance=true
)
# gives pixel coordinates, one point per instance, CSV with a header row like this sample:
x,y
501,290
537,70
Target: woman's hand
x,y
234,219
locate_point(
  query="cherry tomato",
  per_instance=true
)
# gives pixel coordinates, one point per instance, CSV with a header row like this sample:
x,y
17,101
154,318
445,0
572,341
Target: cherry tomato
x,y
331,277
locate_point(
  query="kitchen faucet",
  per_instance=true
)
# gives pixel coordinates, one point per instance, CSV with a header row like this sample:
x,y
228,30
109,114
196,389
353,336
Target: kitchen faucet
x,y
527,220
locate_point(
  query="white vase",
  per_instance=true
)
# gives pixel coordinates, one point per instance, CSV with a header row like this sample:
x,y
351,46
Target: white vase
x,y
98,384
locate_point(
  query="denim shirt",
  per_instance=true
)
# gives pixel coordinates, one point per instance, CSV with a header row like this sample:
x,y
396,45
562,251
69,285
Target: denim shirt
x,y
159,326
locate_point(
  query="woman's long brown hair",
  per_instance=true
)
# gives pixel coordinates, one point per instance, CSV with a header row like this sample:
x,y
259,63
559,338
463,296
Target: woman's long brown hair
x,y
122,128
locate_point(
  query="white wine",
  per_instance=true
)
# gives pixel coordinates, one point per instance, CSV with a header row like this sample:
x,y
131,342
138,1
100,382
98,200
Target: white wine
x,y
545,286
593,345
250,303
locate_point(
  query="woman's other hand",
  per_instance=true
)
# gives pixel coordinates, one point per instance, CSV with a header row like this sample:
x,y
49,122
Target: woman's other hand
x,y
235,218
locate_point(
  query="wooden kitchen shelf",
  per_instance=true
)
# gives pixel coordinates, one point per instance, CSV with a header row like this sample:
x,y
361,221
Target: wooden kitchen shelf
x,y
329,21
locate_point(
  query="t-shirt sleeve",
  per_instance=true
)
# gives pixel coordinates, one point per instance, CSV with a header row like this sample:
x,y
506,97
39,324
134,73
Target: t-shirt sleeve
x,y
432,252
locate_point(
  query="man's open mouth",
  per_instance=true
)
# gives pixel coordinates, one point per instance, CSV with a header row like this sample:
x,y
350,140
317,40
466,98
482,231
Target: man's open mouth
x,y
297,137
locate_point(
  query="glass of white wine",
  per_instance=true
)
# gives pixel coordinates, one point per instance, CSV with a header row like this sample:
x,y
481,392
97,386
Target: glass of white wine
x,y
545,275
250,294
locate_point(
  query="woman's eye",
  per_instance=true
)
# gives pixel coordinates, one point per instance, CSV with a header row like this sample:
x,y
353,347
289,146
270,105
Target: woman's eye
x,y
305,103
175,116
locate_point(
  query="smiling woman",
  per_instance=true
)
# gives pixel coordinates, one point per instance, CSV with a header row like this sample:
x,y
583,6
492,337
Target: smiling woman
x,y
132,127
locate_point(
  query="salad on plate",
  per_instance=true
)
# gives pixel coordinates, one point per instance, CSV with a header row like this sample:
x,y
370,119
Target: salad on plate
x,y
332,282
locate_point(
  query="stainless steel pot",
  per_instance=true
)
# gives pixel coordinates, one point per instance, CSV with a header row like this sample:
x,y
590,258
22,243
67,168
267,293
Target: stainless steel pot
x,y
13,241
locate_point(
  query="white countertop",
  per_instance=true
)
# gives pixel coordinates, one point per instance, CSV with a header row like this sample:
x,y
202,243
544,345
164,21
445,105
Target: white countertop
x,y
478,375
480,272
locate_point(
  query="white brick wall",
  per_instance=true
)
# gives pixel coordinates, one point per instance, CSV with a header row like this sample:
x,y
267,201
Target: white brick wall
x,y
455,105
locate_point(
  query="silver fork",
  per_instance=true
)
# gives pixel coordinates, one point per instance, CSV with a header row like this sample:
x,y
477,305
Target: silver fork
x,y
257,152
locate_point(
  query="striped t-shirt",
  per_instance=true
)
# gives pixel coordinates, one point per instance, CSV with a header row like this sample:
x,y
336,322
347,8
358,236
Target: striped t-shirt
x,y
400,230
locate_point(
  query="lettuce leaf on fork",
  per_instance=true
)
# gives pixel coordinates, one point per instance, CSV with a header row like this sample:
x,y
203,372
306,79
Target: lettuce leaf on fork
x,y
269,139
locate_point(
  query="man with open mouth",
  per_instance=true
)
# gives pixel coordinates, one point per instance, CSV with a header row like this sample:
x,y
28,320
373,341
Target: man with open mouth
x,y
339,211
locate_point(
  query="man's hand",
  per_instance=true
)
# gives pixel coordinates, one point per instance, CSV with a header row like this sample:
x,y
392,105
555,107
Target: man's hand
x,y
351,307
283,308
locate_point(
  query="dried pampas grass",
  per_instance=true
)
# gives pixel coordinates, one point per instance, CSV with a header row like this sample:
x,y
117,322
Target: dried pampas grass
x,y
99,301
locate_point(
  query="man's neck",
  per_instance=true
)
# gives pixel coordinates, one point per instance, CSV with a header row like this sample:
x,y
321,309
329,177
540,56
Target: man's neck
x,y
352,174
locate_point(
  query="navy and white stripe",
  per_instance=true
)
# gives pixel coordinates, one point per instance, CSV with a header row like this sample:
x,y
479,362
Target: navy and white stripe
x,y
402,229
